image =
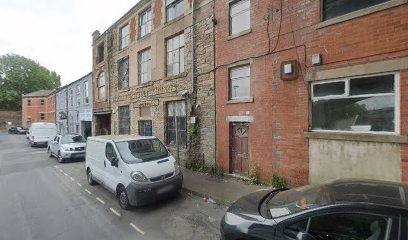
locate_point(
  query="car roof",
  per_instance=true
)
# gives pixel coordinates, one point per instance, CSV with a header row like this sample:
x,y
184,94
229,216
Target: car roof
x,y
369,191
120,138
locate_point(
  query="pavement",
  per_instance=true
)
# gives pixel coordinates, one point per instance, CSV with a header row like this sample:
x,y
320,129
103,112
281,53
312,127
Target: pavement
x,y
221,190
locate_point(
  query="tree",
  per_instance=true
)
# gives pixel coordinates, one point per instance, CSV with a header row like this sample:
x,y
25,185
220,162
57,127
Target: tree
x,y
20,75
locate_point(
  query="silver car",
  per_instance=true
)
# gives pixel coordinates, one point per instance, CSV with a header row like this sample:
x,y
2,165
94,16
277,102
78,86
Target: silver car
x,y
65,147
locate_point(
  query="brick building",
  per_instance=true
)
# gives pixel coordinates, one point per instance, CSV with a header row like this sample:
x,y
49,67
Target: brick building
x,y
38,106
148,80
316,91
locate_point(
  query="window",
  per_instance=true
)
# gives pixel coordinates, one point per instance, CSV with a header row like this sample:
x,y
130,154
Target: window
x,y
124,37
42,102
78,95
101,51
77,128
174,8
176,123
28,102
145,66
145,128
240,16
86,92
42,117
145,20
124,120
240,82
71,97
361,104
110,152
175,55
123,73
101,86
335,8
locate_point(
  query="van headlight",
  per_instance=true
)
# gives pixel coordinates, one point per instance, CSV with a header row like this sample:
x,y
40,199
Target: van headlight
x,y
176,168
138,176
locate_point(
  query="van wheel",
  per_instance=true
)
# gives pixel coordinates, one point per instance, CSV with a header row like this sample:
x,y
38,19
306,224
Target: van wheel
x,y
89,177
59,157
49,152
123,198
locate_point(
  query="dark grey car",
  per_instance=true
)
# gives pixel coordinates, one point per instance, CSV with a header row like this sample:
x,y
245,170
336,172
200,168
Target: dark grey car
x,y
343,209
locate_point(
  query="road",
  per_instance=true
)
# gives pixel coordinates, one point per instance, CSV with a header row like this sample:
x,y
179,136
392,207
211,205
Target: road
x,y
42,199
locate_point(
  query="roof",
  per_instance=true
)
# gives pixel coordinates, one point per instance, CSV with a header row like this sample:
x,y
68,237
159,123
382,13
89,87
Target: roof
x,y
40,93
120,138
370,191
74,82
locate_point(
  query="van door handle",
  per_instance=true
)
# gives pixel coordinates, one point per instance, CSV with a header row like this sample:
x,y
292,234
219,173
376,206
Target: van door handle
x,y
104,163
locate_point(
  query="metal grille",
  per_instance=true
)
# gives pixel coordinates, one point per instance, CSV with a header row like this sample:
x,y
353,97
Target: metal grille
x,y
162,177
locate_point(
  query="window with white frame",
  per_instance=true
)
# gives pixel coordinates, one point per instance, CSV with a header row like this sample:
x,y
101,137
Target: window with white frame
x,y
240,16
176,123
145,66
174,9
240,82
101,86
335,8
123,70
145,22
357,104
175,55
78,95
86,92
124,37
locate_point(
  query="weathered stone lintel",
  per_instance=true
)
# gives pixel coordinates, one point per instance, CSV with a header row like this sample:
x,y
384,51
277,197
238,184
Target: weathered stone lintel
x,y
360,137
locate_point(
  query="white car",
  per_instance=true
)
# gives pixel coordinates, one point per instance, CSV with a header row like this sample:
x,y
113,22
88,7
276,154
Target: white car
x,y
138,170
65,147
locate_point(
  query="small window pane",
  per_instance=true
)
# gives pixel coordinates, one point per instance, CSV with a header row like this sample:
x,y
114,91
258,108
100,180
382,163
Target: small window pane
x,y
328,89
335,8
240,16
240,82
372,85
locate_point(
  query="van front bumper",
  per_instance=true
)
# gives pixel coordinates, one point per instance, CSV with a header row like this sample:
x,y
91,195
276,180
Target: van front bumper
x,y
139,195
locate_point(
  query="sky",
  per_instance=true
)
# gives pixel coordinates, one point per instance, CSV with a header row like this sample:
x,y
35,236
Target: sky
x,y
57,33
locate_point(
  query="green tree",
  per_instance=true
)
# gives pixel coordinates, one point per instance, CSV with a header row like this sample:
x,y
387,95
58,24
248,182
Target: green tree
x,y
20,75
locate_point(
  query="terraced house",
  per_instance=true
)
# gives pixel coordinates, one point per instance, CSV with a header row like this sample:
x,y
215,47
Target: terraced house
x,y
153,75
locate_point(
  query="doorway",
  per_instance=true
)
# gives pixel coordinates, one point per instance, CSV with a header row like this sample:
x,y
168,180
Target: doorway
x,y
239,148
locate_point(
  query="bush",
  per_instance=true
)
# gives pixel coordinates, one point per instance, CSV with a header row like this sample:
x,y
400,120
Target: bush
x,y
252,175
278,181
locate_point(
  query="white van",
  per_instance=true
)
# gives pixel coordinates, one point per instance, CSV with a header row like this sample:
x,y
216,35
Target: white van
x,y
40,133
138,170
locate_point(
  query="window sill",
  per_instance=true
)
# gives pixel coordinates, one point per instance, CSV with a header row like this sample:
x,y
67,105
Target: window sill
x,y
237,35
358,137
146,84
141,38
180,75
243,100
360,13
123,90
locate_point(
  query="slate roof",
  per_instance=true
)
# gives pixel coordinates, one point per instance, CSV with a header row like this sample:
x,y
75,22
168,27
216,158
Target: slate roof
x,y
40,93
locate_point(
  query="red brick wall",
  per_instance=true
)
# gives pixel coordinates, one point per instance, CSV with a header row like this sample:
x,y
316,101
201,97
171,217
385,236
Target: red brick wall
x,y
50,108
281,108
36,109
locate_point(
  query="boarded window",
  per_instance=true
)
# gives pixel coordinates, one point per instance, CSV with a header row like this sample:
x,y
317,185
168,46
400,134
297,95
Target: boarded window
x,y
176,123
124,120
123,70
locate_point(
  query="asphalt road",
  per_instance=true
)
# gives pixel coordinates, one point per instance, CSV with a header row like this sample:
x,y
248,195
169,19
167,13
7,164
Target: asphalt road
x,y
42,199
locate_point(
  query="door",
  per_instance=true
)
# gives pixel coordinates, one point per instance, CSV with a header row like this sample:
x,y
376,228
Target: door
x,y
110,173
54,145
239,148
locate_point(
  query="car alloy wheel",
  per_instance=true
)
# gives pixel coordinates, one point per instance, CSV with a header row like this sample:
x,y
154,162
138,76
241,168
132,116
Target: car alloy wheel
x,y
59,157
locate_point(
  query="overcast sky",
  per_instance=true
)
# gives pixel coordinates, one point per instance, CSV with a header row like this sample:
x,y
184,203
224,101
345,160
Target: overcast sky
x,y
57,33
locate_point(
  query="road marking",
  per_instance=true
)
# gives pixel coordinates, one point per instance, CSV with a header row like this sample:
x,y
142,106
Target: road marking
x,y
86,190
79,184
115,212
136,228
66,174
72,179
56,167
61,171
100,200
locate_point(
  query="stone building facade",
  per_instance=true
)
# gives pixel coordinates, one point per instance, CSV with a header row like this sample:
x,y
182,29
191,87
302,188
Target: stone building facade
x,y
38,106
74,107
312,91
153,75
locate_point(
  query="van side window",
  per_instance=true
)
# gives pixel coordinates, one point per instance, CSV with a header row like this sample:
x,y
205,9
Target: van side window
x,y
110,152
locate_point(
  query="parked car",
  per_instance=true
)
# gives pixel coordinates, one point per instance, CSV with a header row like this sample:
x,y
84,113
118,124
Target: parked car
x,y
40,133
343,209
17,130
138,170
65,147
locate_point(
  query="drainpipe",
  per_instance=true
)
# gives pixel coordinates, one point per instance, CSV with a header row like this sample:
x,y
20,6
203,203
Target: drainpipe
x,y
193,63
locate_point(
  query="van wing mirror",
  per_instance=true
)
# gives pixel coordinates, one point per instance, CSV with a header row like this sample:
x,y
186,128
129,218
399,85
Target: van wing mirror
x,y
114,162
304,236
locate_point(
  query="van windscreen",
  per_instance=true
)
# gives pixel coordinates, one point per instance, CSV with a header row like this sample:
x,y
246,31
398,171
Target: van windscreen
x,y
143,150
